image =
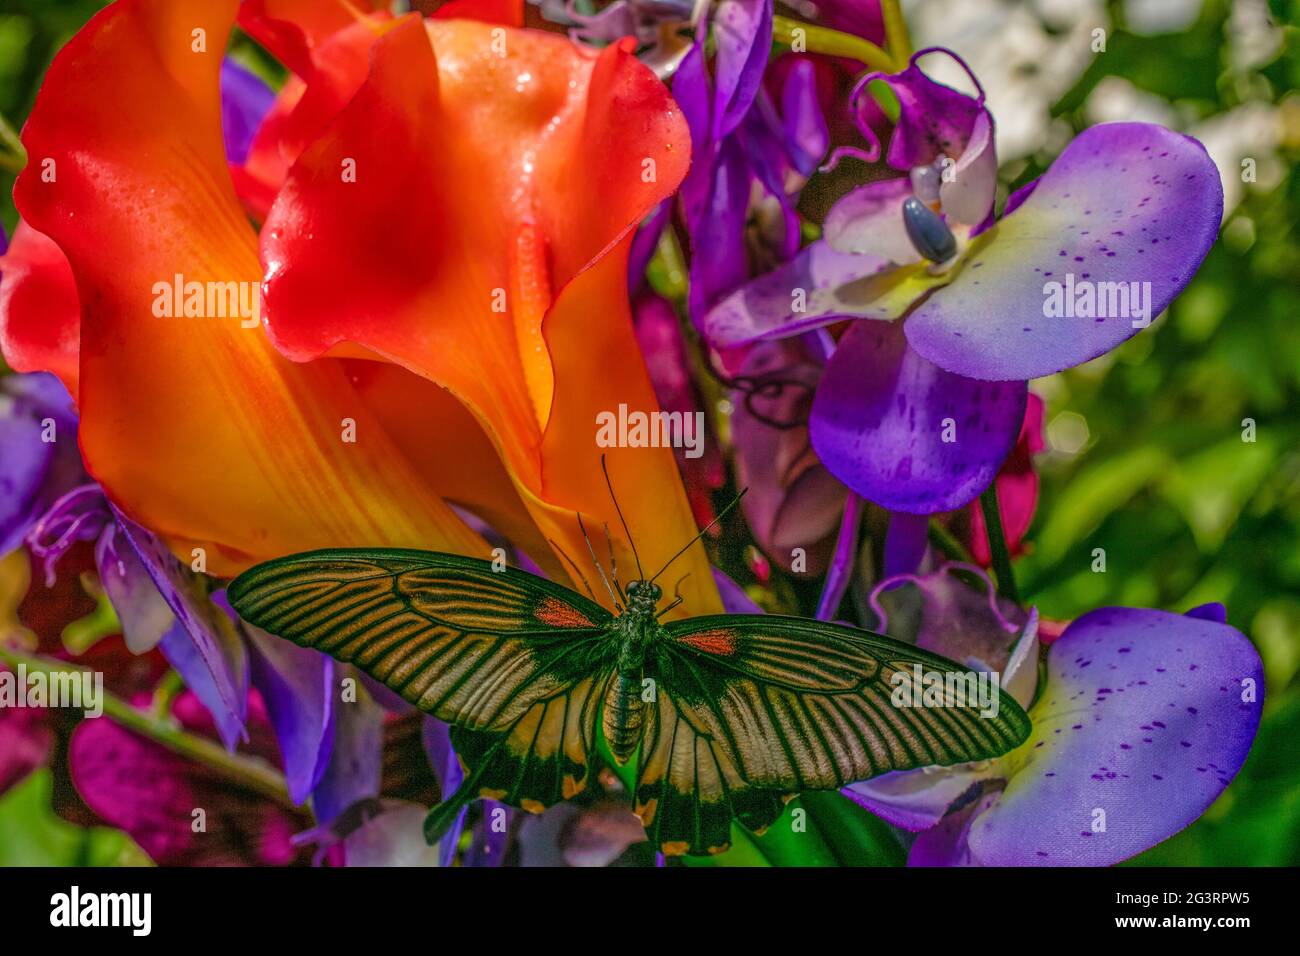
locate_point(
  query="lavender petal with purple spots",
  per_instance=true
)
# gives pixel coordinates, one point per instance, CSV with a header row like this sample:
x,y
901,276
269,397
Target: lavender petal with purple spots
x,y
882,414
1147,716
1128,203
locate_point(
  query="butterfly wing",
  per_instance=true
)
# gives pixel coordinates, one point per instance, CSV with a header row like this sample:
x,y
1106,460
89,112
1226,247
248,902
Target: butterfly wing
x,y
516,663
752,709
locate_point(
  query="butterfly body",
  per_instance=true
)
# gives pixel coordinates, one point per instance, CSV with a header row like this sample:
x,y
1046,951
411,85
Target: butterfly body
x,y
638,631
727,716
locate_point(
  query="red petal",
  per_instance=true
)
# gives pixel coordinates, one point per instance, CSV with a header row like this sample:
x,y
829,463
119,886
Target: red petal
x,y
40,318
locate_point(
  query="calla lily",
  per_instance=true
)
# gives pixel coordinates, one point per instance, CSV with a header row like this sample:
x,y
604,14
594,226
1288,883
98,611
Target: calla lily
x,y
1144,719
511,297
262,454
927,430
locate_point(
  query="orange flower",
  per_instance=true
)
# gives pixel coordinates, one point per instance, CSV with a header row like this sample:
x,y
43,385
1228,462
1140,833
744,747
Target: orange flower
x,y
445,282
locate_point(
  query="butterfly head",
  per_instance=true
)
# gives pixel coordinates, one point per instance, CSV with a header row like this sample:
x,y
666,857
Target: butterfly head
x,y
643,596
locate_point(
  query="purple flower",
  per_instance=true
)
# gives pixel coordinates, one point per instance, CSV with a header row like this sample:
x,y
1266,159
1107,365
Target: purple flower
x,y
245,101
39,461
917,415
743,144
1144,719
656,25
160,601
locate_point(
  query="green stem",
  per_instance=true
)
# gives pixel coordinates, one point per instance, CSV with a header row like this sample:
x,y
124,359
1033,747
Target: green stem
x,y
14,157
830,42
998,545
250,772
897,38
945,541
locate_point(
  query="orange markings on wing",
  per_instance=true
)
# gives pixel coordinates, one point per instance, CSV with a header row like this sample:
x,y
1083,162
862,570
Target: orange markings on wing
x,y
722,643
558,614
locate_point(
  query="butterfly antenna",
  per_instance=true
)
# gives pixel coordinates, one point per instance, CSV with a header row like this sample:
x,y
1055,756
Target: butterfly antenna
x,y
613,563
721,514
573,564
594,560
604,466
677,595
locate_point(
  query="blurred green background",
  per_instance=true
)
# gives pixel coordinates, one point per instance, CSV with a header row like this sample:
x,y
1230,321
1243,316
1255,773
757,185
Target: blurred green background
x,y
1146,457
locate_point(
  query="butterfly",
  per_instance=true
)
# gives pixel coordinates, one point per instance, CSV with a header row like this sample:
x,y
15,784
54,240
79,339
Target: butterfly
x,y
729,715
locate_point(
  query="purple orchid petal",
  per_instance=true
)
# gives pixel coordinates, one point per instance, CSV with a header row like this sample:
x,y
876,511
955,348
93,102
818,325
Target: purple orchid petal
x,y
743,32
1017,198
39,460
807,136
861,17
24,462
1214,611
840,572
816,288
245,100
446,767
734,598
297,686
644,244
793,501
904,433
1146,717
946,844
869,222
975,628
183,654
691,90
1127,207
355,764
913,799
491,835
934,120
905,543
765,148
718,263
966,195
605,26
78,515
392,837
145,615
958,623
210,627
570,835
